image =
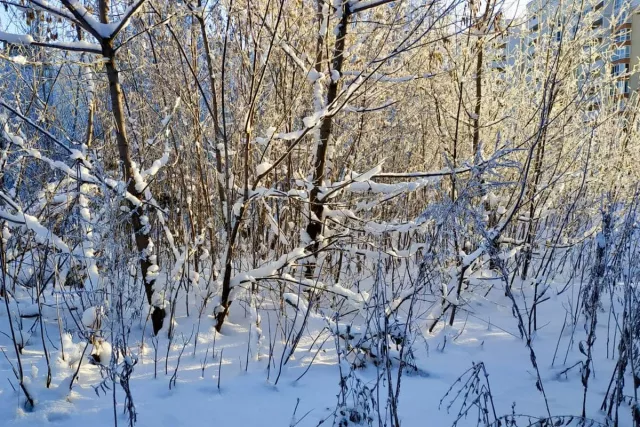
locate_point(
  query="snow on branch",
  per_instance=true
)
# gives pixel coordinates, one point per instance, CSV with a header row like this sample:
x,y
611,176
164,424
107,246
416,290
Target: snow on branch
x,y
140,177
479,166
99,30
364,183
27,40
356,6
269,270
78,15
380,228
386,78
356,300
6,216
382,188
90,24
77,46
43,234
289,51
22,39
432,174
128,14
81,174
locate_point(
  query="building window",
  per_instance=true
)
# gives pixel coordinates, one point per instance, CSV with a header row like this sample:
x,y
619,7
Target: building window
x,y
620,88
622,52
619,69
623,35
625,86
622,18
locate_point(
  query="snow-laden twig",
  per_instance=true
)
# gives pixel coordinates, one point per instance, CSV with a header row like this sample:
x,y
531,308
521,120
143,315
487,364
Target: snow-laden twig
x,y
98,29
27,40
356,6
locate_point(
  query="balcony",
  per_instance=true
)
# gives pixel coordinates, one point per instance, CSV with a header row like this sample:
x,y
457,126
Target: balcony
x,y
623,52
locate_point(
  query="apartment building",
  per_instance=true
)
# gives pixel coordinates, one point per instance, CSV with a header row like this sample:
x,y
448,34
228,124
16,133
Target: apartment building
x,y
628,52
615,30
507,46
626,47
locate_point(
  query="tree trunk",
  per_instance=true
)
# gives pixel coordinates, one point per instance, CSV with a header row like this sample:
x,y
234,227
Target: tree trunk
x,y
141,234
314,228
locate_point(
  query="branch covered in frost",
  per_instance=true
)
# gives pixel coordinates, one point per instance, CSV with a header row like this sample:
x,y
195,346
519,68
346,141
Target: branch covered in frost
x,y
36,126
140,177
356,6
269,270
43,234
97,29
439,173
27,40
81,174
128,14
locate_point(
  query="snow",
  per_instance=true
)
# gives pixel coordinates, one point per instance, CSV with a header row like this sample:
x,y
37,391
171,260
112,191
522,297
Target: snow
x,y
43,234
325,18
314,75
102,352
489,336
406,286
367,175
290,136
468,259
16,38
82,45
89,317
295,301
269,269
20,39
157,164
103,30
19,59
263,167
311,121
292,55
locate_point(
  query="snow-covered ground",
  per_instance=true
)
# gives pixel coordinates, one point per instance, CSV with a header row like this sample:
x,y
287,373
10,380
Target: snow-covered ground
x,y
214,384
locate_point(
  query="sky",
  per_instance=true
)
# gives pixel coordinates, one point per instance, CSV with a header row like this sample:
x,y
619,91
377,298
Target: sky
x,y
515,7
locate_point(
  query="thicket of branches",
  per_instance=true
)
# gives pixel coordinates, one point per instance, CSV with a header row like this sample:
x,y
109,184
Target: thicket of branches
x,y
366,163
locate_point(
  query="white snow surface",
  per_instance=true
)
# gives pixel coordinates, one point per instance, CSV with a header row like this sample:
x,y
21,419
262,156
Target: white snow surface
x,y
262,168
89,317
250,396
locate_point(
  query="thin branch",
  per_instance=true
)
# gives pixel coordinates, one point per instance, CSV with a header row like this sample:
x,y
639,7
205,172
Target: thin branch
x,y
128,15
361,6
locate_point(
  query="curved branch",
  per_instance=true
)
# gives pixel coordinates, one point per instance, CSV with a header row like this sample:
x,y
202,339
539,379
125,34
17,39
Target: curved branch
x,y
128,15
